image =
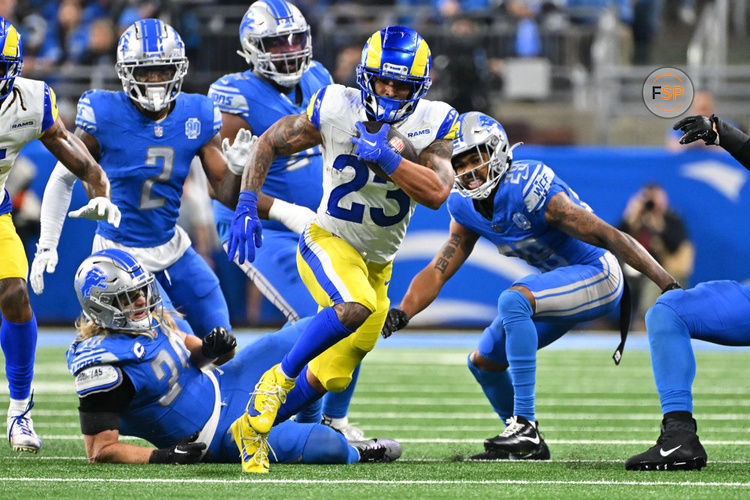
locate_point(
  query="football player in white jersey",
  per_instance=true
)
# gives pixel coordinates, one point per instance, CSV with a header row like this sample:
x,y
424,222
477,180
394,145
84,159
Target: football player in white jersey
x,y
345,256
28,111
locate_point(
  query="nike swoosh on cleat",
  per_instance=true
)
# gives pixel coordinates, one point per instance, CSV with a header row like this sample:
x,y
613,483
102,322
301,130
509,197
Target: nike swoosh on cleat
x,y
669,452
535,440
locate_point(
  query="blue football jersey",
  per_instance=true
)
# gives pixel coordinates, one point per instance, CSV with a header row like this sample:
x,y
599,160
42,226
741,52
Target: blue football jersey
x,y
173,398
146,161
518,227
297,178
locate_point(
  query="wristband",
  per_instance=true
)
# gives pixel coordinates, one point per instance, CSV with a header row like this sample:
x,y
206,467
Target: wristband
x,y
389,160
672,286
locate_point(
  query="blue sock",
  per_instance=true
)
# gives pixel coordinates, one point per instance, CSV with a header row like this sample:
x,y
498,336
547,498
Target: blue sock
x,y
322,332
302,395
498,388
672,358
18,341
520,345
336,404
326,446
311,414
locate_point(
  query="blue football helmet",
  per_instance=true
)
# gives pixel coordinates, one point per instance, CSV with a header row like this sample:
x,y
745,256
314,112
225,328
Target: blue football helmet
x,y
11,57
396,53
109,285
151,43
275,39
482,134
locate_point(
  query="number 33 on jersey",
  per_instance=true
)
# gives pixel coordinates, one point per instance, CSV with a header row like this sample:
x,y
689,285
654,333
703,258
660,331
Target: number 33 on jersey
x,y
368,212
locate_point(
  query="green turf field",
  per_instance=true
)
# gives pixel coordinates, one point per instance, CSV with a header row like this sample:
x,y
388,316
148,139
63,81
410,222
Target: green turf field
x,y
592,414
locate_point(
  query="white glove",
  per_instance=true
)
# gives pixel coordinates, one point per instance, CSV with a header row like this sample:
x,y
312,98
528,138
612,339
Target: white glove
x,y
295,217
45,259
99,208
239,152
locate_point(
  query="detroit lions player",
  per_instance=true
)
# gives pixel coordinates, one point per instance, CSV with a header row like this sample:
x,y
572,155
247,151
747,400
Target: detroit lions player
x,y
137,374
28,110
715,311
530,213
146,137
275,40
345,256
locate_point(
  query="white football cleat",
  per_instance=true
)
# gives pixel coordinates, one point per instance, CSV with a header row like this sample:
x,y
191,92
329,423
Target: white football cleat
x,y
350,431
21,434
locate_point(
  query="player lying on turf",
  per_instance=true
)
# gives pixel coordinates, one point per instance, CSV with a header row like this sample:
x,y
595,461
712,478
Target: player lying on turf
x,y
345,257
137,374
530,213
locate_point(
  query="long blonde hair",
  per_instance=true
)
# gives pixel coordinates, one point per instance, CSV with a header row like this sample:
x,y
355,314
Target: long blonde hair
x,y
88,329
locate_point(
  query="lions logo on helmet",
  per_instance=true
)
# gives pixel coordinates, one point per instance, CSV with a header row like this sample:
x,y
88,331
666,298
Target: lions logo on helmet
x,y
11,57
151,43
396,53
116,293
275,39
484,135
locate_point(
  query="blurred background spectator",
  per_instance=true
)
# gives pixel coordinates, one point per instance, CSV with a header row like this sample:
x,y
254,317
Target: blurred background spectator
x,y
662,232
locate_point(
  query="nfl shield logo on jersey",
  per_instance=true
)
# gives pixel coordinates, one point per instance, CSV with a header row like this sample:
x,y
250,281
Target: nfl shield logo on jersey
x,y
158,130
192,128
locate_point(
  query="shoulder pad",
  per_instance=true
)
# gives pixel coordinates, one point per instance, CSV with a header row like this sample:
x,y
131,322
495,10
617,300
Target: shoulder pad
x,y
97,379
85,115
537,188
102,350
228,97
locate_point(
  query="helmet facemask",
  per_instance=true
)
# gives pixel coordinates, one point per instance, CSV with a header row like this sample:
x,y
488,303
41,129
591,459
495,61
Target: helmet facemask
x,y
10,68
280,58
152,95
389,109
496,156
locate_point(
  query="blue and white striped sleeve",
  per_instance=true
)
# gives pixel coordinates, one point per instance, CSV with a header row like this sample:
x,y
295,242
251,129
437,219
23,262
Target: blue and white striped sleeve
x,y
85,116
229,99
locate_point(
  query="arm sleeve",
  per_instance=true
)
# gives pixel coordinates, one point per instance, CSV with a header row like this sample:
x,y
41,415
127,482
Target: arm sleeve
x,y
735,141
50,109
55,204
85,116
449,128
313,109
99,411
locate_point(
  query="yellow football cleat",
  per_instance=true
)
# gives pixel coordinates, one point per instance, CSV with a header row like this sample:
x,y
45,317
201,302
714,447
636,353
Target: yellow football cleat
x,y
270,393
253,446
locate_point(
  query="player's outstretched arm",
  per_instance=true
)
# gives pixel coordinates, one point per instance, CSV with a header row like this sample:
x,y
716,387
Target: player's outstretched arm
x,y
582,224
225,184
105,447
290,134
73,153
430,181
715,131
426,285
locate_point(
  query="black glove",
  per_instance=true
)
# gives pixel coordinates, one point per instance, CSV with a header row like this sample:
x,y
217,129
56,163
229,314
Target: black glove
x,y
186,451
396,320
697,127
218,343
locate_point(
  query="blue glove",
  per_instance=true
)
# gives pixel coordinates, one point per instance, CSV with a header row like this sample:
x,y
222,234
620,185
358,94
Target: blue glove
x,y
245,226
375,148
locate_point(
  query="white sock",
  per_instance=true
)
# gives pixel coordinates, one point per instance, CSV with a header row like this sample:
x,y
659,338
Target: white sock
x,y
18,406
338,423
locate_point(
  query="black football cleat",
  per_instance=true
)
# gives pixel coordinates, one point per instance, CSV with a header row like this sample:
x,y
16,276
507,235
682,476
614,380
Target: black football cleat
x,y
678,448
377,450
521,440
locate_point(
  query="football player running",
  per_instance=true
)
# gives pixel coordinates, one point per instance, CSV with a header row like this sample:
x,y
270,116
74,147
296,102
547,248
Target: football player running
x,y
715,311
530,213
28,110
275,40
345,256
145,137
137,374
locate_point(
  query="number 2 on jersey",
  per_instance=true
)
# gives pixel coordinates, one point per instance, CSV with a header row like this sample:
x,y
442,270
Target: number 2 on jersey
x,y
357,211
153,154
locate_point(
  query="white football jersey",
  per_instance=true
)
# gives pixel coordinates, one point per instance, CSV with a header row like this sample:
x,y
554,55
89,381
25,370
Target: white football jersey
x,y
25,114
368,212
